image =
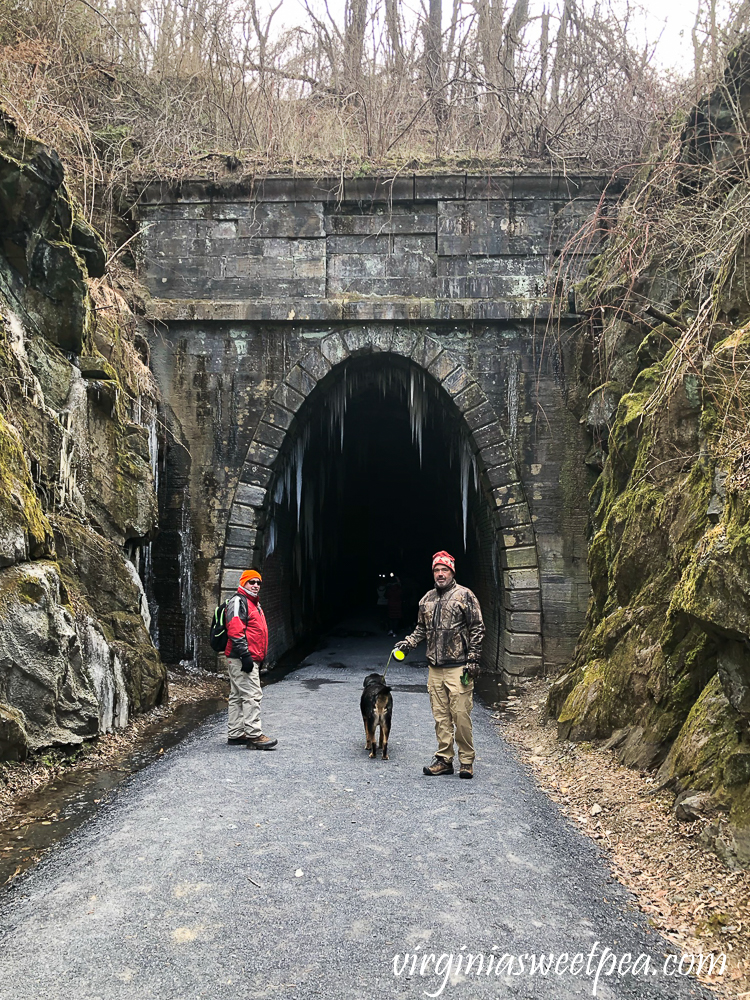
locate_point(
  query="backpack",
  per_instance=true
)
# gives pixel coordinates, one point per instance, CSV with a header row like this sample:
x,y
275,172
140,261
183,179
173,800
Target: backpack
x,y
217,635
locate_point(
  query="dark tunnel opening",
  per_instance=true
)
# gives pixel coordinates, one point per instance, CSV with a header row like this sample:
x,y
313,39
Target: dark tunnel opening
x,y
380,474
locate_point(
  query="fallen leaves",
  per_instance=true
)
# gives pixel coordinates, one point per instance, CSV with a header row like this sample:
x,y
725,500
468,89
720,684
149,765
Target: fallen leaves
x,y
687,893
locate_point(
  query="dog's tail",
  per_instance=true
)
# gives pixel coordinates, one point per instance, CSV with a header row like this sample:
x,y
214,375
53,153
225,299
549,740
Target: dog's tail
x,y
381,702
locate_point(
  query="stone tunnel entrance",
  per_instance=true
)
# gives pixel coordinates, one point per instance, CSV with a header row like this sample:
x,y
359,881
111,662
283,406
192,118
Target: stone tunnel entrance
x,y
263,291
378,473
377,449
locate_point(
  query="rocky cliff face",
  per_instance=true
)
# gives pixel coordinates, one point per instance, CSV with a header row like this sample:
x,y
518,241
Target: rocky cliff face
x,y
663,665
78,461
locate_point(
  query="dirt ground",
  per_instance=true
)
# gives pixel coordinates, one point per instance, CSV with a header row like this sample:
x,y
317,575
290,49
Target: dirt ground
x,y
686,891
18,780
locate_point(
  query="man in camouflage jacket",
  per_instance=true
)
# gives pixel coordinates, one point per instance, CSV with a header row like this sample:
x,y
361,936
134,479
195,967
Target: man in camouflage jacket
x,y
450,619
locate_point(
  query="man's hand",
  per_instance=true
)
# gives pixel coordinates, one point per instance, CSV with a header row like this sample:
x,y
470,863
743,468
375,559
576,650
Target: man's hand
x,y
402,647
473,670
247,663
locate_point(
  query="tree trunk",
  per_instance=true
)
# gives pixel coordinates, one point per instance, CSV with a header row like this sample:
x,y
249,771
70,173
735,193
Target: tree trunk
x,y
355,23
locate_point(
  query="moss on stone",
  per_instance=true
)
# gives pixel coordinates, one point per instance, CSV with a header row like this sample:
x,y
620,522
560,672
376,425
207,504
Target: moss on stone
x,y
710,734
19,504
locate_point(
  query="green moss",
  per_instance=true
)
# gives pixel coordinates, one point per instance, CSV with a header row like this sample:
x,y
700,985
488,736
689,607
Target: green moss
x,y
708,737
19,504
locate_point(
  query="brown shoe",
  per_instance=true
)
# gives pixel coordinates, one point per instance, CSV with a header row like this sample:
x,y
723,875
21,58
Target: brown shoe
x,y
466,771
438,766
236,741
261,743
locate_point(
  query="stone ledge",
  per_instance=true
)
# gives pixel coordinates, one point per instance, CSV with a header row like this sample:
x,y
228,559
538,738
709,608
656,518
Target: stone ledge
x,y
378,188
526,644
330,310
519,665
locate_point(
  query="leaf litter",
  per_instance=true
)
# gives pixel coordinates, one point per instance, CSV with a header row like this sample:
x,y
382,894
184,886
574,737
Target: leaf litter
x,y
687,893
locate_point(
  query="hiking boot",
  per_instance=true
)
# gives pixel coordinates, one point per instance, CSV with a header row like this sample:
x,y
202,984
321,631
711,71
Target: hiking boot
x,y
236,741
261,742
439,766
466,771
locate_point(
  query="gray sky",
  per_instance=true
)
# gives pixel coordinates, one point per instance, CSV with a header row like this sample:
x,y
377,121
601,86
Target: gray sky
x,y
670,21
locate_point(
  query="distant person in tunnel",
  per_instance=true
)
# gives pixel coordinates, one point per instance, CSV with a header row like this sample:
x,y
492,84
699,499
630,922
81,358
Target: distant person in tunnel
x,y
382,602
393,594
246,649
450,619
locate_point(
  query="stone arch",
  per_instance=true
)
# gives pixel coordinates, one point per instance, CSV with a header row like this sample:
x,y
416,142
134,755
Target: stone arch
x,y
522,638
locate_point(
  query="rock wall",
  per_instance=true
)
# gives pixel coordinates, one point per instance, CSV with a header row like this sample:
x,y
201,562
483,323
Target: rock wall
x,y
662,667
78,461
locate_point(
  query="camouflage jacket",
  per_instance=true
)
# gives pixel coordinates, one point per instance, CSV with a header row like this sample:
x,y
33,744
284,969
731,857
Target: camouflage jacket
x,y
451,621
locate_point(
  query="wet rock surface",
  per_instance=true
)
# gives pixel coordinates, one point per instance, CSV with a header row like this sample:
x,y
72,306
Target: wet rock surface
x,y
78,471
663,659
309,868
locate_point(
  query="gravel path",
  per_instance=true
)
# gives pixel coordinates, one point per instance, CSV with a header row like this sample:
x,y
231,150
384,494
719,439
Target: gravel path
x,y
301,873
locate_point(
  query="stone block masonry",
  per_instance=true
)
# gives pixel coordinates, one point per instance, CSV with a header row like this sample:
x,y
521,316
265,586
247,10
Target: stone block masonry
x,y
459,239
260,292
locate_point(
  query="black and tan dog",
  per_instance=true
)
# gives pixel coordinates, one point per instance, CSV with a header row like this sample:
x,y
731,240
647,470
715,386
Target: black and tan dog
x,y
376,705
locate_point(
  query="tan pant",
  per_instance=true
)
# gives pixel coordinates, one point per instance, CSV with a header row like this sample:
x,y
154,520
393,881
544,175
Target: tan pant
x,y
451,705
245,696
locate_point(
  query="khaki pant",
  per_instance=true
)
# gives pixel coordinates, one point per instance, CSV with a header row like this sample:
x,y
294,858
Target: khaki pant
x,y
245,696
451,705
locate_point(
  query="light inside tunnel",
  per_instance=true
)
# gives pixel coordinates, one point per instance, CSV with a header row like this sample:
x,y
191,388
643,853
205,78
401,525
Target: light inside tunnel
x,y
378,474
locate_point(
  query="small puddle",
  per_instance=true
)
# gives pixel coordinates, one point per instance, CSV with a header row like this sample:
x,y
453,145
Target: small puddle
x,y
65,803
45,817
315,683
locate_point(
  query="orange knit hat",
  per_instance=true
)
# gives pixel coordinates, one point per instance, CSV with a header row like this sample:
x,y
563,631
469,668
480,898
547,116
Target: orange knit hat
x,y
248,575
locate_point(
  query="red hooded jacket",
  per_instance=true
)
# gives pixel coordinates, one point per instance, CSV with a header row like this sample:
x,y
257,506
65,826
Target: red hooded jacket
x,y
246,627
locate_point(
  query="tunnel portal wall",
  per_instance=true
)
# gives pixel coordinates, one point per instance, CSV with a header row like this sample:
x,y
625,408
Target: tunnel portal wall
x,y
512,529
256,292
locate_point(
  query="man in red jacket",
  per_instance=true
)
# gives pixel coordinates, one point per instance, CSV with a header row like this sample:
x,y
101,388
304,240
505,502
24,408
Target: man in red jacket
x,y
246,649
